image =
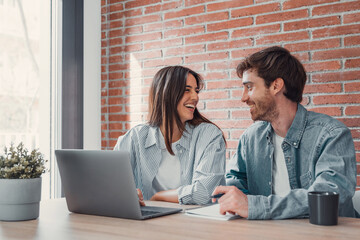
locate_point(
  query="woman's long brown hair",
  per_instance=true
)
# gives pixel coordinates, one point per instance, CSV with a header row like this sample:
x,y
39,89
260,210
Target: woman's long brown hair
x,y
167,89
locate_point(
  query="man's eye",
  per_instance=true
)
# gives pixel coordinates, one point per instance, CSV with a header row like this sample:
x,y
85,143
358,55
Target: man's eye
x,y
249,87
197,90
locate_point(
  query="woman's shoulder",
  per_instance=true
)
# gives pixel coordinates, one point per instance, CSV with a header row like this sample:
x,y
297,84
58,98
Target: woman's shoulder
x,y
206,129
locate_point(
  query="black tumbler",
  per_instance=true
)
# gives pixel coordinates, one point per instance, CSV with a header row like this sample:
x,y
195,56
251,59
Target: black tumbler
x,y
323,208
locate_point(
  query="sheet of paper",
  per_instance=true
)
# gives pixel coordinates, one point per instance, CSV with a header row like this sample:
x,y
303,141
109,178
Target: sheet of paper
x,y
211,212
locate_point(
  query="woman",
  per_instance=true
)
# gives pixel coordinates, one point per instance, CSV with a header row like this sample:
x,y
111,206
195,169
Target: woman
x,y
179,155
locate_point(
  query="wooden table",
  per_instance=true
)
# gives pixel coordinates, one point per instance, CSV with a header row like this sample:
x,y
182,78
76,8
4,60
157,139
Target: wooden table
x,y
56,222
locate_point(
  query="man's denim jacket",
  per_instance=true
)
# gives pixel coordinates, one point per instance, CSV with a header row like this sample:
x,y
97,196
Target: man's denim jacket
x,y
319,154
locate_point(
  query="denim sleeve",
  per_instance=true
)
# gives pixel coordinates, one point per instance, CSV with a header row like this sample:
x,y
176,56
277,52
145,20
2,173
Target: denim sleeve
x,y
236,169
334,169
208,173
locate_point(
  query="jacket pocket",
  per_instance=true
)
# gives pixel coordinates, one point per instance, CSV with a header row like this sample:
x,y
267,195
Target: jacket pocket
x,y
305,180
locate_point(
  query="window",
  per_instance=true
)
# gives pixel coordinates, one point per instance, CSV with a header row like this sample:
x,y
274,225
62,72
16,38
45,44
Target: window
x,y
25,67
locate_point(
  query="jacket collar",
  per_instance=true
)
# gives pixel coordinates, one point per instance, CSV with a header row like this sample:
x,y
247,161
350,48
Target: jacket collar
x,y
296,130
155,137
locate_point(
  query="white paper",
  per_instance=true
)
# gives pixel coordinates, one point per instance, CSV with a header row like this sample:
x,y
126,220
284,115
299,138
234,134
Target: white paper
x,y
211,212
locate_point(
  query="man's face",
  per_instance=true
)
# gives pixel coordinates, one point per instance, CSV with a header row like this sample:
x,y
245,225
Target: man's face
x,y
258,97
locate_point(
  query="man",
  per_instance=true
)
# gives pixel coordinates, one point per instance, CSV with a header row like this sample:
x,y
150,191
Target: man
x,y
288,151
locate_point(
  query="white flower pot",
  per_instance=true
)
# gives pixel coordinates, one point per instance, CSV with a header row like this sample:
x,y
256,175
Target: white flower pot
x,y
19,199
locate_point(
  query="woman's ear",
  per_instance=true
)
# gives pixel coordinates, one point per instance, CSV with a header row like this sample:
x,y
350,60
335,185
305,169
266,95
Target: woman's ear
x,y
277,86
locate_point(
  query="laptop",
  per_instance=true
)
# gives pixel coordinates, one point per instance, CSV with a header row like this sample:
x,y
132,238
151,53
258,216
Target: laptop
x,y
99,182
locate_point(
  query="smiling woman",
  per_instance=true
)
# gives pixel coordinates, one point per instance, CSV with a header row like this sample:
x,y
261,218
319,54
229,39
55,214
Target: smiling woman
x,y
179,155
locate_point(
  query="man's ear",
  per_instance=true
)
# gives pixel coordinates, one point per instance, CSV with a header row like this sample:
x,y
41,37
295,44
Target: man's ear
x,y
277,86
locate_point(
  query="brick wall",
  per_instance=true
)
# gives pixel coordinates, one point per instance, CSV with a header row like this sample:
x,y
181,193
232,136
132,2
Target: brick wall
x,y
211,37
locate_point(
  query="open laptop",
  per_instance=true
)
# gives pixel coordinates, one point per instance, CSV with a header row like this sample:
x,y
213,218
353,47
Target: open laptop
x,y
99,182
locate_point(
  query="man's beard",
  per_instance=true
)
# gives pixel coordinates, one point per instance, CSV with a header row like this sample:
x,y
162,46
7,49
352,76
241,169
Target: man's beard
x,y
265,109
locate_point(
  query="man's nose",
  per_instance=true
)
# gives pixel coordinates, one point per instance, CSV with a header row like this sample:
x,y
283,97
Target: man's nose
x,y
244,96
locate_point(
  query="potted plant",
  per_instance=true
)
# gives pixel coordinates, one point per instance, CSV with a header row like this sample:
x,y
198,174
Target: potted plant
x,y
20,183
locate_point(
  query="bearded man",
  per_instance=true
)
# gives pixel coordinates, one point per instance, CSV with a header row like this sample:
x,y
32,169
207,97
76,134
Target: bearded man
x,y
288,151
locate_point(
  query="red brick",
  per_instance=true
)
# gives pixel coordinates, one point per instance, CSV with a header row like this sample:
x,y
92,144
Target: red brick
x,y
351,18
116,75
143,37
207,37
116,24
244,52
117,67
304,3
118,117
336,8
353,110
227,5
284,37
229,64
223,84
125,14
331,111
229,45
352,87
137,3
205,18
164,62
219,94
162,7
322,66
353,40
215,75
117,101
142,20
312,23
117,84
255,31
242,123
302,56
116,7
184,12
322,88
163,43
115,41
336,99
236,134
163,25
240,114
236,23
115,59
184,50
350,122
189,3
336,53
216,114
145,55
115,109
253,10
313,45
336,76
355,133
336,31
281,16
205,57
184,31
352,63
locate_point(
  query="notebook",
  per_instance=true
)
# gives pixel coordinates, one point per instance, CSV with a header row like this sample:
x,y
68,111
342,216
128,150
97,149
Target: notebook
x,y
211,212
99,182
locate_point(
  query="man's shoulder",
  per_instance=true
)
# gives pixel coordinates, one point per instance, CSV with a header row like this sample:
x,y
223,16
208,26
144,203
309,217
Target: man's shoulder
x,y
324,121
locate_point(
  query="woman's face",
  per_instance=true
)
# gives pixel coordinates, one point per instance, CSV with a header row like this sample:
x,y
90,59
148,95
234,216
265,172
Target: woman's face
x,y
189,100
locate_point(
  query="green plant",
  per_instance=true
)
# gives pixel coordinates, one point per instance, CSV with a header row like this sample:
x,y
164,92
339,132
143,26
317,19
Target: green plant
x,y
19,163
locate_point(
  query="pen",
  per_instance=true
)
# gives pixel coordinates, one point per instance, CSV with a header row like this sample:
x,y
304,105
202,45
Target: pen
x,y
217,195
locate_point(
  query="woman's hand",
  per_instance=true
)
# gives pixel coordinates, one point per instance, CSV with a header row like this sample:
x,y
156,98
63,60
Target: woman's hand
x,y
141,198
166,196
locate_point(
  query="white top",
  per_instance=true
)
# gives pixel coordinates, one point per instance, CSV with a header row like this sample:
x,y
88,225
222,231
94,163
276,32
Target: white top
x,y
168,175
281,184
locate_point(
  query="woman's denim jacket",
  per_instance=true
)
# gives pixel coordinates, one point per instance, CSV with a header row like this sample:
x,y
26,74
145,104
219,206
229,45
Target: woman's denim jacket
x,y
319,154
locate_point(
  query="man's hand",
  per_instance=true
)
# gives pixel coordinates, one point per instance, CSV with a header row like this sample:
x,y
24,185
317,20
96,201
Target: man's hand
x,y
141,198
233,201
